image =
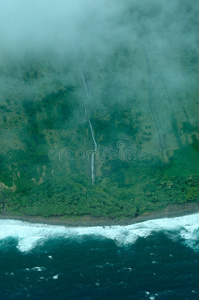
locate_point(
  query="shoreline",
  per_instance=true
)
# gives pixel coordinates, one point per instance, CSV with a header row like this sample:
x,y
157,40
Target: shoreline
x,y
87,221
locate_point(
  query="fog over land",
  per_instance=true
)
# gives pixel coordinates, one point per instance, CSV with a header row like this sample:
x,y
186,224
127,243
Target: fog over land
x,y
164,29
160,39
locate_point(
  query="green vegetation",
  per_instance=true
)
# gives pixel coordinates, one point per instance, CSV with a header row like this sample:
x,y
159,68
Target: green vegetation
x,y
44,158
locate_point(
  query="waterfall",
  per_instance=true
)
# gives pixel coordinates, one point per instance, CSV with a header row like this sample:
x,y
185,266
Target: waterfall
x,y
87,96
93,153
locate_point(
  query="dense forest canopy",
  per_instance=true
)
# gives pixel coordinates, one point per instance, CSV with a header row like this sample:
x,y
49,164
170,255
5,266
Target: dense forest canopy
x,y
133,66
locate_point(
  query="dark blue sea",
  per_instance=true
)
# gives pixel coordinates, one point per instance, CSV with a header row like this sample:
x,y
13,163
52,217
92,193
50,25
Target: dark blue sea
x,y
156,259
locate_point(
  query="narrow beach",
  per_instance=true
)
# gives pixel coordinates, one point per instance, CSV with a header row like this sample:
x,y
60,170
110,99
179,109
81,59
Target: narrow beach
x,y
87,221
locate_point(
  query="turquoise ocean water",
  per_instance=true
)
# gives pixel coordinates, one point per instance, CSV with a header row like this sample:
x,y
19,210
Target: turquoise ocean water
x,y
156,259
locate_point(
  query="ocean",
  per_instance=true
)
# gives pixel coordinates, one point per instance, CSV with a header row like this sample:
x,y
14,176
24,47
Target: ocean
x,y
155,259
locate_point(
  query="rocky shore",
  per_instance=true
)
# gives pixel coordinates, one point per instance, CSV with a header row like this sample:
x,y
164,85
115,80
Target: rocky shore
x,y
86,221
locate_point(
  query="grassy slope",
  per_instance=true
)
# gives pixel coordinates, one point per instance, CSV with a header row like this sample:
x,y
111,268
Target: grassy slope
x,y
43,115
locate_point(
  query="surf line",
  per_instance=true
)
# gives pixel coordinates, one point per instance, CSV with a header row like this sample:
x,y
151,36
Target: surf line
x,y
87,96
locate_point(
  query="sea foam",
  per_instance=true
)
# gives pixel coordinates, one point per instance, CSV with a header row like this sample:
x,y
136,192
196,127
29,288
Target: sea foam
x,y
29,235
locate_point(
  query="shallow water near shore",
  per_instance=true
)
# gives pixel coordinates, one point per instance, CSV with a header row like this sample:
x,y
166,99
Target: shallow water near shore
x,y
155,259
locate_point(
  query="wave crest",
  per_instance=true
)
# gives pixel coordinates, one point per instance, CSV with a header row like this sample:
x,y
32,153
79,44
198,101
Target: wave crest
x,y
30,235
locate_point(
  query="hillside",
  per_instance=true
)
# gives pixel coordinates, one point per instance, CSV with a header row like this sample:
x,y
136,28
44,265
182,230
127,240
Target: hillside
x,y
140,94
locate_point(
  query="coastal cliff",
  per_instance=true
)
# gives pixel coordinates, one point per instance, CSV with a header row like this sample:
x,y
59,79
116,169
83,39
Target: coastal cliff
x,y
139,93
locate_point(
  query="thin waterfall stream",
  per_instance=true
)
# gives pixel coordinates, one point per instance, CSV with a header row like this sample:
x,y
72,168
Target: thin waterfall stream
x,y
93,153
87,96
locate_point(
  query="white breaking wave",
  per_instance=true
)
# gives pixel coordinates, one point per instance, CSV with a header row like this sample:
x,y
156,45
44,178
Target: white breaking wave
x,y
30,235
